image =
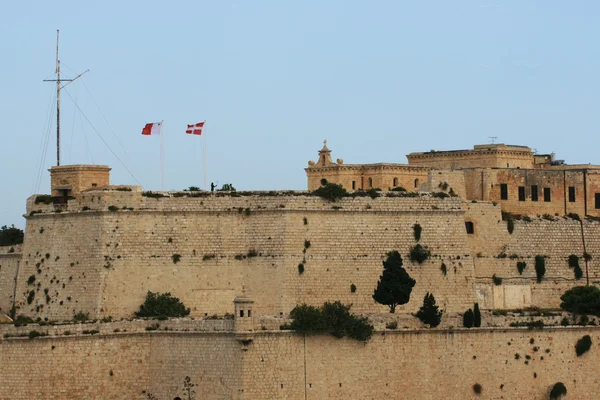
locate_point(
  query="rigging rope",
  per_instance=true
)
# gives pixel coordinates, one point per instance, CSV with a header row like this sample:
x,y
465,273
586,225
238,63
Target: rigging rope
x,y
43,149
101,138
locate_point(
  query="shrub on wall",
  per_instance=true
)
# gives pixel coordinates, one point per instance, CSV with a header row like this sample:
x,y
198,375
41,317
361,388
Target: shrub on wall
x,y
417,231
574,264
300,269
395,285
333,318
583,345
540,267
331,192
430,312
497,280
419,253
581,300
176,258
477,389
10,236
162,305
521,265
558,390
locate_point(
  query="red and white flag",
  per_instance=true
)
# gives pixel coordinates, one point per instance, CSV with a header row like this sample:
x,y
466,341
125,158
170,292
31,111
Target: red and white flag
x,y
195,129
152,128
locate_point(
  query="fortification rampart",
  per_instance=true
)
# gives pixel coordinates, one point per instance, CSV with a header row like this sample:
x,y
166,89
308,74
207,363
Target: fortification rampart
x,y
10,259
506,363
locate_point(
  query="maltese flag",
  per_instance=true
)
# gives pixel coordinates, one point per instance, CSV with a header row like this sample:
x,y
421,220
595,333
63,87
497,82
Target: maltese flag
x,y
152,128
195,129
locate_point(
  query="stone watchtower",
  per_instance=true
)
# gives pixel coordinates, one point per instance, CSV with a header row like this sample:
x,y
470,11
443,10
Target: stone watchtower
x,y
70,180
244,317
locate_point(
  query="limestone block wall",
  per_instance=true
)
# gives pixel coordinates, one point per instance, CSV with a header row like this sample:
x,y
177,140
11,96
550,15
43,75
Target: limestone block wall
x,y
424,365
121,366
205,250
10,259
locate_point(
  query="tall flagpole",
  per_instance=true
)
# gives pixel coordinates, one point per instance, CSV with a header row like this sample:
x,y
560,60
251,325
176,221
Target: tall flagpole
x,y
162,154
205,163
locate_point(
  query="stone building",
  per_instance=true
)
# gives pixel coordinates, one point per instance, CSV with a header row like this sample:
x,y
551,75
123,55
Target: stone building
x,y
522,181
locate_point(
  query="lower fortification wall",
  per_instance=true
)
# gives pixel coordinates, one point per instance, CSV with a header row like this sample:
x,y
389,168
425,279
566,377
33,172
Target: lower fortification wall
x,y
507,363
10,259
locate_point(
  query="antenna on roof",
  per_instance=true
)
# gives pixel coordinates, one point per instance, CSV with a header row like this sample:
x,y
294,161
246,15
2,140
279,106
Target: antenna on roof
x,y
493,138
59,81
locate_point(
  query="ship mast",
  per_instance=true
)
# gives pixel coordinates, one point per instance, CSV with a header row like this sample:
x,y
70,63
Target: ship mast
x,y
58,81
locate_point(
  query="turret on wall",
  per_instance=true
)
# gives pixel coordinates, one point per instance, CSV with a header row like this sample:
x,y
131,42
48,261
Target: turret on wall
x,y
70,180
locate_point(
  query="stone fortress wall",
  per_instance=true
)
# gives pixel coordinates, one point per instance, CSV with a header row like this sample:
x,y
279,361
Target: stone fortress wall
x,y
10,259
413,364
103,262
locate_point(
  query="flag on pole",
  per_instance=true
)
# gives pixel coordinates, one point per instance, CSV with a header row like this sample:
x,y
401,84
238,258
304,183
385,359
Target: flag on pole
x,y
195,129
152,128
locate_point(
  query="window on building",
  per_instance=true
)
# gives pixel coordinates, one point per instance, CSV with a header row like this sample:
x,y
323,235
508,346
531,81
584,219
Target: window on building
x,y
521,193
470,228
241,313
370,182
395,183
353,185
572,194
249,313
417,182
534,193
547,196
597,198
323,182
503,191
94,184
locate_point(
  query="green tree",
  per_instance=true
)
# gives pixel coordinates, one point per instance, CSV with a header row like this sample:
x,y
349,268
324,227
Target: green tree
x,y
429,312
227,187
10,236
331,192
476,316
582,300
468,319
162,305
395,285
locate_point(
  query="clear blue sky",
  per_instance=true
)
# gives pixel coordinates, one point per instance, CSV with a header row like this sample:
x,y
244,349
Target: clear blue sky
x,y
377,79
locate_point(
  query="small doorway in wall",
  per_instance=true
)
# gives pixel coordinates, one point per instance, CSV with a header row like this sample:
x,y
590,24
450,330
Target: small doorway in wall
x,y
395,182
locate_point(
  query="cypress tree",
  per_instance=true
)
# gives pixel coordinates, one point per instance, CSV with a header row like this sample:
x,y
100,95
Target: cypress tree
x,y
429,312
476,316
395,285
468,319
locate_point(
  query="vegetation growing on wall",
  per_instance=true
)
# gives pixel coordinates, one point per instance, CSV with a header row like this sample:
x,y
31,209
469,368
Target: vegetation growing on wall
x,y
331,192
582,300
540,267
417,229
9,236
227,187
333,318
43,198
162,305
395,285
468,319
574,264
583,345
476,316
430,312
419,254
558,390
497,280
521,265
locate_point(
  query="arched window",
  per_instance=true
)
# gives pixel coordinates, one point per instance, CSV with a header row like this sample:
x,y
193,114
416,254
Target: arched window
x,y
395,182
371,182
323,182
417,182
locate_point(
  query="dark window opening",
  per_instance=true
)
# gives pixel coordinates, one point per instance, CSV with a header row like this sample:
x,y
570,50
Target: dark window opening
x,y
249,313
572,194
521,193
353,185
323,182
597,198
94,184
503,191
417,182
470,227
241,313
547,196
370,182
534,193
395,183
